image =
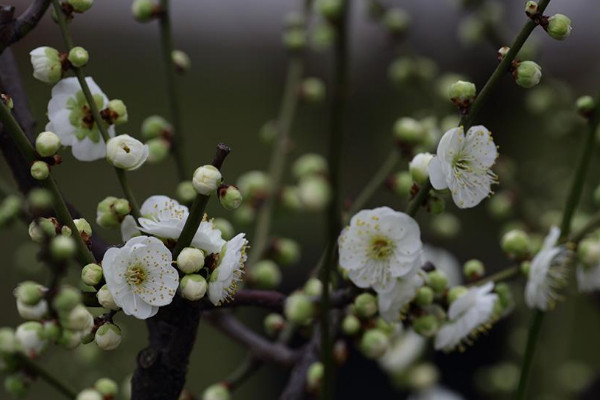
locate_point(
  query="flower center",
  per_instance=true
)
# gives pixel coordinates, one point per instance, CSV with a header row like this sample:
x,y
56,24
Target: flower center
x,y
381,248
135,275
81,118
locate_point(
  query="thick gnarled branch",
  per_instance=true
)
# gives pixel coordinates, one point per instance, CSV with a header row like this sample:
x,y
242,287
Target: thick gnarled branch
x,y
14,29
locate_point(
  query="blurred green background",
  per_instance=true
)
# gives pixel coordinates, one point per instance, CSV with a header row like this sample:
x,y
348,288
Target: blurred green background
x,y
234,87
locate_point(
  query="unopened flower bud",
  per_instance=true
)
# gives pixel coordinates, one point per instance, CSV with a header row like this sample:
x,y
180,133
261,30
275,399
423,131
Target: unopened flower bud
x,y
456,292
585,105
527,74
105,217
29,293
401,183
462,93
207,179
299,309
409,132
314,193
16,385
245,214
108,337
230,197
313,287
531,8
502,52
144,10
396,20
33,312
350,325
115,112
425,295
8,340
193,287
423,376
216,392
254,184
91,274
158,150
516,244
505,297
126,152
83,227
268,132
190,260
185,192
419,167
559,27
225,227
265,274
312,90
81,5
330,9
52,331
286,251
365,305
156,126
107,388
294,19
70,339
274,323
47,66
181,61
77,319
445,225
121,207
89,394
62,247
314,376
66,299
30,338
40,170
78,56
39,199
474,269
105,299
426,325
290,199
308,165
294,39
437,280
47,144
374,343
588,252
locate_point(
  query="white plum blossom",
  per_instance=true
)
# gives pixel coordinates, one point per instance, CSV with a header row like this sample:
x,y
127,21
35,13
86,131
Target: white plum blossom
x,y
406,347
379,246
47,66
393,301
140,277
445,262
463,165
71,119
547,273
467,315
165,218
126,152
229,269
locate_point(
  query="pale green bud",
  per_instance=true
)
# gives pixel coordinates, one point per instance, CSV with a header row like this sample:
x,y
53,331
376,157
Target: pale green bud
x,y
531,8
402,183
16,385
265,274
193,287
156,126
207,179
294,39
121,207
474,269
314,193
108,337
83,227
374,343
47,144
107,388
456,292
559,27
89,394
40,170
350,325
66,299
63,247
502,52
409,132
308,165
116,112
190,260
216,392
294,19
230,197
91,274
501,205
81,5
322,36
365,305
245,214
29,293
77,319
419,167
312,90
254,184
437,280
290,199
462,93
314,376
299,309
471,30
48,226
446,225
78,56
585,105
47,66
516,244
8,340
185,192
426,325
425,295
268,132
158,150
52,330
505,296
527,74
39,199
588,252
181,61
225,227
66,231
29,336
330,9
274,323
144,10
313,287
436,205
396,20
10,206
70,339
423,376
105,299
286,251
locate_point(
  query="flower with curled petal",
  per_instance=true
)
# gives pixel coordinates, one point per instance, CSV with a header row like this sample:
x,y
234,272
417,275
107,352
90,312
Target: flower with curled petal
x,y
393,302
225,277
463,165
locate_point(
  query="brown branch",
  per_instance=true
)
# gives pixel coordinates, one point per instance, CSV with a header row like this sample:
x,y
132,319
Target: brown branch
x,y
13,30
296,386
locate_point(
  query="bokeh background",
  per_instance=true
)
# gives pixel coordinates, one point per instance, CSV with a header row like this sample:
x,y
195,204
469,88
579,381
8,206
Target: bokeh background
x,y
234,87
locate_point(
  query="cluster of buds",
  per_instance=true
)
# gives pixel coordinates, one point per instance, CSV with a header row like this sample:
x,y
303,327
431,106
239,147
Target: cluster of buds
x,y
558,26
103,389
158,133
111,211
50,65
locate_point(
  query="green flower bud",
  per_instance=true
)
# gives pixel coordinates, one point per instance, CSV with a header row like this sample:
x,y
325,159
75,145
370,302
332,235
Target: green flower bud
x,y
294,19
374,343
105,299
47,144
181,61
299,309
527,74
424,296
294,39
81,5
437,280
29,336
501,205
265,274
274,323
456,292
63,247
225,227
107,388
410,132
559,27
350,325
502,52
216,392
66,231
83,227
531,8
230,197
185,192
156,126
39,199
108,337
193,287
16,386
525,266
268,132
314,376
516,244
70,339
286,251
91,274
8,341
308,165
47,66
290,199
436,205
207,179
313,287
66,299
585,105
254,184
144,10
365,305
474,269
423,376
78,56
78,319
52,331
419,167
158,150
89,394
245,214
505,297
29,293
40,170
116,112
396,20
426,325
312,90
446,225
462,93
322,36
588,252
190,260
314,193
402,183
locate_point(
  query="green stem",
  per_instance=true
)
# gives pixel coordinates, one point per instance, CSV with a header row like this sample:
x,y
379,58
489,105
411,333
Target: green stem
x,y
571,205
62,23
60,208
334,221
166,42
375,183
191,223
40,372
419,200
